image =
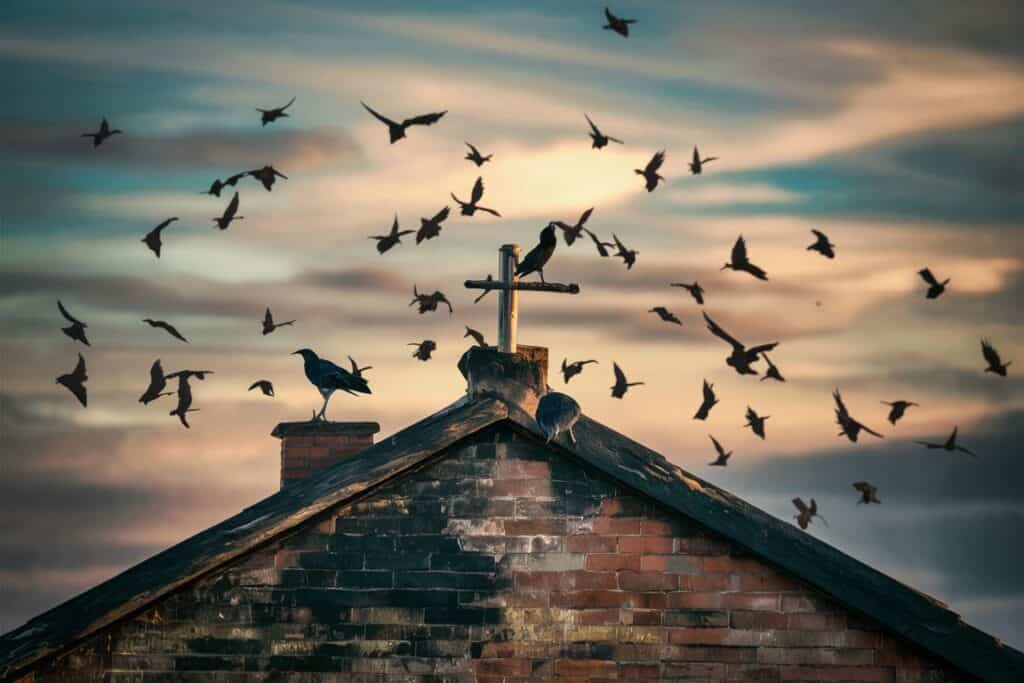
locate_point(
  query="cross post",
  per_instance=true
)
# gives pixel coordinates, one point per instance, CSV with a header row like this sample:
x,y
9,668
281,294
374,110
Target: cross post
x,y
509,286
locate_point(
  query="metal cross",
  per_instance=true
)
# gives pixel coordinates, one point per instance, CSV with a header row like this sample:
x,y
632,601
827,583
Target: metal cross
x,y
509,286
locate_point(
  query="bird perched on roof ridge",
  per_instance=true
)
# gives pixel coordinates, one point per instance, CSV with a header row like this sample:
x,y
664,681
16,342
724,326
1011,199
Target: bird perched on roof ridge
x,y
102,134
995,363
271,115
75,380
537,258
76,330
650,171
385,242
152,238
557,413
328,377
935,288
396,131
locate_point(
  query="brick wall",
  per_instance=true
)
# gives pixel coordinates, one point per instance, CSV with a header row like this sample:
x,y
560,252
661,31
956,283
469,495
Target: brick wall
x,y
499,563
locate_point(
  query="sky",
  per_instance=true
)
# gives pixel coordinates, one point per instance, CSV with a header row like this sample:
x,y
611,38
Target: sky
x,y
895,128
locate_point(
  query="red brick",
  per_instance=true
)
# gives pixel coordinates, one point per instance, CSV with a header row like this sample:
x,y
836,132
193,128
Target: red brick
x,y
647,581
598,617
654,563
639,671
643,617
758,602
550,526
612,562
587,599
645,544
585,668
695,600
616,525
502,667
591,543
657,527
858,674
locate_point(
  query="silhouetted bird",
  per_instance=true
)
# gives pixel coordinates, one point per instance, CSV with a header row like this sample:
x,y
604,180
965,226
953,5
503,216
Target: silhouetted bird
x,y
935,288
897,409
537,258
666,315
157,384
102,134
76,330
475,156
396,131
269,325
599,139
570,370
557,413
328,378
850,428
185,394
995,364
152,238
756,422
708,402
723,458
628,255
621,385
271,115
868,493
423,349
75,380
263,385
822,245
429,302
697,164
167,327
477,337
571,233
773,371
356,370
740,262
229,214
741,357
650,171
617,24
468,209
385,242
431,228
267,175
602,247
695,290
949,445
806,512
217,185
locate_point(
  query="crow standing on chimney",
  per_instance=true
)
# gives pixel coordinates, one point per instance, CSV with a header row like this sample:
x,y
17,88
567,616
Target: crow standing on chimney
x,y
328,378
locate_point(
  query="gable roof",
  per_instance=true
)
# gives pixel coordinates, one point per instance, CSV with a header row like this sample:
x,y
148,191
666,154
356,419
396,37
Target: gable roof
x,y
919,618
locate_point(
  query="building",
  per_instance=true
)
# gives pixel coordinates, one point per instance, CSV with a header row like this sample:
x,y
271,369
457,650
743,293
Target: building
x,y
463,548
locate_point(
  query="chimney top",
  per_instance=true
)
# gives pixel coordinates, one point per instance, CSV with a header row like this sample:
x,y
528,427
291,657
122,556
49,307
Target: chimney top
x,y
308,428
519,378
310,447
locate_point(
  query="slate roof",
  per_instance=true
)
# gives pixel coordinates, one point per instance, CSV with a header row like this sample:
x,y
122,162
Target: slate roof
x,y
919,618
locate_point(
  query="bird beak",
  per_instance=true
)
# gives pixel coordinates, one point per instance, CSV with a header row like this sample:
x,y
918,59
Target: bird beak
x,y
293,353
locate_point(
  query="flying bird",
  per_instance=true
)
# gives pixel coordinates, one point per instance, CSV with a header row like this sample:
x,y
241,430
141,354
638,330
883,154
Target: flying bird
x,y
263,385
695,290
621,385
557,413
385,242
167,327
741,357
185,394
995,364
822,245
271,115
475,156
269,325
328,378
396,131
431,228
423,349
602,247
949,445
537,258
707,403
229,214
868,493
935,288
217,185
617,24
697,164
806,512
477,337
650,171
897,409
573,232
599,139
740,261
74,381
723,458
570,370
102,134
666,315
356,370
628,255
157,384
429,302
152,238
773,370
850,428
76,330
267,175
471,207
756,422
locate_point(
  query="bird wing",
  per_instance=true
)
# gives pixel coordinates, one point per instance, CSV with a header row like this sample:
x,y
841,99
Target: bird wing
x,y
383,119
927,276
277,173
268,319
967,451
478,190
424,119
869,430
709,392
721,334
232,206
655,163
290,103
585,216
822,238
440,215
156,373
619,245
233,179
620,377
987,350
718,446
841,410
739,250
800,505
79,372
751,415
394,227
164,224
490,211
696,157
473,149
609,16
594,128
70,318
256,384
862,486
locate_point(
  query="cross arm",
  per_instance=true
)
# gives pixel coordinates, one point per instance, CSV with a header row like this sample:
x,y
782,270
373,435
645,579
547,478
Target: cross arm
x,y
571,288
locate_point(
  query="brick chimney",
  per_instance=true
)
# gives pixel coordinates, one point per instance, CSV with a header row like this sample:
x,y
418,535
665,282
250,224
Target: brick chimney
x,y
519,378
309,447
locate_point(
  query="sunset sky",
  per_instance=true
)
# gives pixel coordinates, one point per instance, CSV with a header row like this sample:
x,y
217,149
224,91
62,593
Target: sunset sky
x,y
895,128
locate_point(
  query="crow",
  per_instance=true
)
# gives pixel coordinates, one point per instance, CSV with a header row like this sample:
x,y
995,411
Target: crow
x,y
267,175
741,357
868,493
396,131
628,255
157,384
217,185
650,171
423,349
806,513
537,258
74,381
666,315
570,370
76,330
695,290
773,371
556,413
571,233
949,445
102,134
822,245
475,156
995,363
431,228
897,409
269,325
185,394
707,403
328,378
621,385
477,337
617,24
599,139
602,247
429,302
263,385
271,115
385,242
229,214
849,427
740,262
152,238
470,208
723,458
935,288
756,422
167,327
697,164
